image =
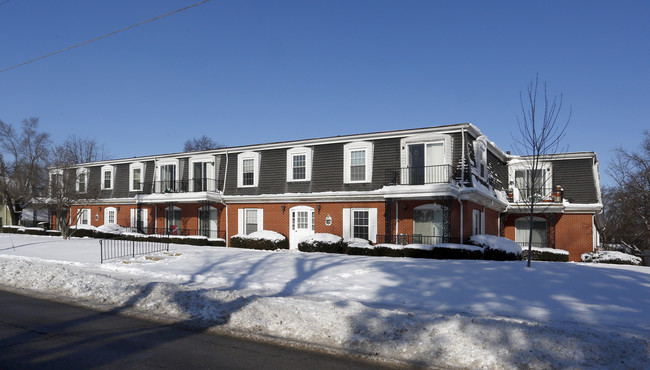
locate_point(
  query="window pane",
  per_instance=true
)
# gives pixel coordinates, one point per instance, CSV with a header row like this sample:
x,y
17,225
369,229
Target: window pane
x,y
82,182
248,172
299,167
136,179
360,224
107,179
251,221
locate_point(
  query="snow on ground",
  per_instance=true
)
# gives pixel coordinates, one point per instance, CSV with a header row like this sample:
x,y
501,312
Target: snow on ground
x,y
443,313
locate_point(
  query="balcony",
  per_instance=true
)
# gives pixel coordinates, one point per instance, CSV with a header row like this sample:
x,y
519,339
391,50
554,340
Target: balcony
x,y
438,174
182,186
404,239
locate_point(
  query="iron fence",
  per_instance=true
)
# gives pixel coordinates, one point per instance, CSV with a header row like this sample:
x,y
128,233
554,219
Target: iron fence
x,y
405,239
181,231
438,174
119,248
182,186
524,245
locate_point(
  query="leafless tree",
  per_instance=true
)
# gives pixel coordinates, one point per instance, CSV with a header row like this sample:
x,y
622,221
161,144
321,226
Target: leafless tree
x,y
69,185
200,143
628,212
23,164
540,135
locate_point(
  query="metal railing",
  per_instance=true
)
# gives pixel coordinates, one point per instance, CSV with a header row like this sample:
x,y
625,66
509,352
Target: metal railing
x,y
119,248
174,230
404,239
524,244
182,186
439,174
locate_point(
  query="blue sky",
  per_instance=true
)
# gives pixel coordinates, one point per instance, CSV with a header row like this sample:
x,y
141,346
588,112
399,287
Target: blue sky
x,y
247,72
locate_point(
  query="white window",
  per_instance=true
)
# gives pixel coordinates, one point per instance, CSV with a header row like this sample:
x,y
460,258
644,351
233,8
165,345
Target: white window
x,y
250,220
299,163
208,222
202,174
139,225
425,159
168,176
248,169
136,174
357,162
530,184
360,223
56,182
107,177
82,180
173,220
428,226
83,217
523,231
110,215
480,152
478,222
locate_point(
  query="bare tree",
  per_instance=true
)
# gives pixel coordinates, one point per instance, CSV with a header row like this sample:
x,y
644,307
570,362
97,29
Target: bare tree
x,y
23,164
200,143
81,150
69,185
628,212
540,135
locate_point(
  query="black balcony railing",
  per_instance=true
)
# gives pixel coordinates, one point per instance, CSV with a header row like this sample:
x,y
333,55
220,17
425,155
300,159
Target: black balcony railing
x,y
174,230
404,239
182,186
438,174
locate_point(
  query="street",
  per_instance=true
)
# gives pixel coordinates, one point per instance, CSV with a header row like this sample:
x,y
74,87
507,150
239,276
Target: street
x,y
36,333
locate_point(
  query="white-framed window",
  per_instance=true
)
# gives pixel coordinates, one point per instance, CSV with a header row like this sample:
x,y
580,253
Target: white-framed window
x,y
110,215
478,222
426,159
480,152
528,183
202,174
141,224
136,176
250,220
208,221
173,220
357,163
299,164
523,231
82,180
248,169
360,223
83,217
167,174
107,177
56,182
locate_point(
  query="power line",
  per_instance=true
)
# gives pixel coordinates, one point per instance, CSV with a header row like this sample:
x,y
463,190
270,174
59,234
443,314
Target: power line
x,y
101,37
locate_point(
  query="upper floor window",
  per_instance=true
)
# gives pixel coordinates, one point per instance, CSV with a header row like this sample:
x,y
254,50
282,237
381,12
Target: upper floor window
x,y
529,183
299,163
202,177
357,162
426,159
82,180
168,176
56,182
107,177
136,171
248,168
480,152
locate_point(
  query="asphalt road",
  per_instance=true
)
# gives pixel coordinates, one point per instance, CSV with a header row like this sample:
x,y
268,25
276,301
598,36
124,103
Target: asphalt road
x,y
36,333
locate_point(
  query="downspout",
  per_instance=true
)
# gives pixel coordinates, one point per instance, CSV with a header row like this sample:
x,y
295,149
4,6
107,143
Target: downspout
x,y
223,191
462,182
461,220
396,218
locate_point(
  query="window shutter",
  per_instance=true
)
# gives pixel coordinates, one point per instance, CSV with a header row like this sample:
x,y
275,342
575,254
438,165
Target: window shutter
x,y
346,224
260,219
240,221
372,224
133,217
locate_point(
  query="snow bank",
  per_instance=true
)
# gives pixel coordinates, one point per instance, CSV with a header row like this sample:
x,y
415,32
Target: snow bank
x,y
262,235
496,242
611,257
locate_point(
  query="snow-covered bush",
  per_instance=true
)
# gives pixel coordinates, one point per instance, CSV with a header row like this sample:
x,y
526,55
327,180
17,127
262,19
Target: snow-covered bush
x,y
546,254
11,229
448,251
263,239
618,258
497,248
357,246
322,242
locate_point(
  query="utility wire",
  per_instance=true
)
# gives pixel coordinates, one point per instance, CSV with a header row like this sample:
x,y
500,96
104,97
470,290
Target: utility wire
x,y
101,37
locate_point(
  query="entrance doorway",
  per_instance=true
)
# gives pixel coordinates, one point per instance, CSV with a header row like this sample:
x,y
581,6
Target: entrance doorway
x,y
301,224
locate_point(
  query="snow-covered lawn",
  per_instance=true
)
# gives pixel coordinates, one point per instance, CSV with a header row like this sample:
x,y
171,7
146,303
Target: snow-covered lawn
x,y
447,313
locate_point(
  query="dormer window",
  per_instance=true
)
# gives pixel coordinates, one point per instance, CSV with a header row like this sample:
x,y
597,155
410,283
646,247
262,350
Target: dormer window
x,y
480,153
248,169
299,162
82,180
107,177
136,171
528,183
358,162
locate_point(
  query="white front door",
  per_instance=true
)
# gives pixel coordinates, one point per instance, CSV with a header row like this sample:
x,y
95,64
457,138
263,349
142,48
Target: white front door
x,y
301,224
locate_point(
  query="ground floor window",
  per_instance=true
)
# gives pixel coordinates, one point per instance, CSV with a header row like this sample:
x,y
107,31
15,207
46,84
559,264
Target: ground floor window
x,y
110,215
428,224
208,222
83,217
173,220
360,223
523,231
250,220
139,220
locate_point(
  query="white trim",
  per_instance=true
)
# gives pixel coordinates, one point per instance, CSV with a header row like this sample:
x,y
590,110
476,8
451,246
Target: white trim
x,y
481,150
426,138
526,165
80,171
255,156
133,166
241,219
348,148
348,223
80,213
144,215
308,153
111,169
210,169
107,210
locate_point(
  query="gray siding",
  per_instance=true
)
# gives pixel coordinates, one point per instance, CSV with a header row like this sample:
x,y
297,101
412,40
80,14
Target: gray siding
x,y
577,178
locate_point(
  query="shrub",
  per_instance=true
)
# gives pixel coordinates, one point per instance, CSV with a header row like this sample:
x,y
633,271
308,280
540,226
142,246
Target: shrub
x,y
456,252
388,250
10,229
264,240
497,248
326,243
360,247
546,254
34,231
618,258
